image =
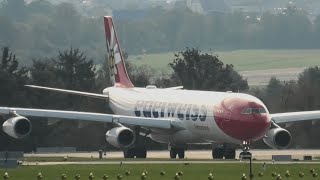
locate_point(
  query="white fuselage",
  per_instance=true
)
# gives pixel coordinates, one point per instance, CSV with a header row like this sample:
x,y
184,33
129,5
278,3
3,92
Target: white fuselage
x,y
195,109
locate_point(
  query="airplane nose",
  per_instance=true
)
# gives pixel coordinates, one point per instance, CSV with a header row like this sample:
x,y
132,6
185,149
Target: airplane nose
x,y
245,128
242,125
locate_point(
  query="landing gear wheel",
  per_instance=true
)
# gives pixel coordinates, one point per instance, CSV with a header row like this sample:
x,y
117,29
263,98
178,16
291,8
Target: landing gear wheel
x,y
229,153
181,153
245,155
135,152
141,153
129,153
177,151
217,153
173,153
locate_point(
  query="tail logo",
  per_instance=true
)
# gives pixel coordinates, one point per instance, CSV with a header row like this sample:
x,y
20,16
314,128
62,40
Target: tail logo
x,y
112,67
114,55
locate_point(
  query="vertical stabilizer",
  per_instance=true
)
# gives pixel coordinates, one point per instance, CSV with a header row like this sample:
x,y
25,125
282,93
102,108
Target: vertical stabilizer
x,y
118,73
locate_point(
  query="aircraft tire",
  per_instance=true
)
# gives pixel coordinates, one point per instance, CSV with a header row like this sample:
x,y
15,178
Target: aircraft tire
x,y
217,153
141,153
244,153
229,153
181,153
129,153
173,153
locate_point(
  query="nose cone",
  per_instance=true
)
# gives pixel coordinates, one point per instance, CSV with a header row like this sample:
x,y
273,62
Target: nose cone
x,y
242,119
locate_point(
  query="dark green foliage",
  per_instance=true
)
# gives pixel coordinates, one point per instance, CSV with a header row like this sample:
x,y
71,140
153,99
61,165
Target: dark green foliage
x,y
140,75
300,95
75,70
12,79
205,72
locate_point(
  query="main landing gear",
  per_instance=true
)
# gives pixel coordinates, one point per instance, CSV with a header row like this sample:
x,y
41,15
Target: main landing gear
x,y
135,152
177,150
138,150
223,151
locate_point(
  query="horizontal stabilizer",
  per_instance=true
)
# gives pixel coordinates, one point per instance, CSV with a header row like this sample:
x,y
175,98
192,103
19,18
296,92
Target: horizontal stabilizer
x,y
87,94
175,88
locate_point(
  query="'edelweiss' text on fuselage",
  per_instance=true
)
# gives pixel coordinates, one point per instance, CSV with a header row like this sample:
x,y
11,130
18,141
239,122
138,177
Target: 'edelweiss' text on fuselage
x,y
166,109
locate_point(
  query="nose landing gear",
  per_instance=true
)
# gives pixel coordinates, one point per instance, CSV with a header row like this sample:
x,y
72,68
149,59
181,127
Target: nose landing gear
x,y
245,154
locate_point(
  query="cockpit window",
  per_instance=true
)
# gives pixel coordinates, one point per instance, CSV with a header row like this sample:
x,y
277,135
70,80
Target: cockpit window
x,y
247,111
254,111
262,110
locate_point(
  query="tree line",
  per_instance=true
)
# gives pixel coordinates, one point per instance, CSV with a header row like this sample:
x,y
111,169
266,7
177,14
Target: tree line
x,y
41,29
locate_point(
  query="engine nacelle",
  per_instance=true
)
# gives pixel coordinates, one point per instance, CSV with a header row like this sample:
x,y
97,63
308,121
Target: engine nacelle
x,y
278,138
121,137
17,127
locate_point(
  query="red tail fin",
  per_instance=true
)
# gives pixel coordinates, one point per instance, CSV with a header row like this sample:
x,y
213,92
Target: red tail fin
x,y
117,69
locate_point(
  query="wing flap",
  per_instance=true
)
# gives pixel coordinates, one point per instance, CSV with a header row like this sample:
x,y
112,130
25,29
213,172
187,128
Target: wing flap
x,y
97,117
80,93
295,116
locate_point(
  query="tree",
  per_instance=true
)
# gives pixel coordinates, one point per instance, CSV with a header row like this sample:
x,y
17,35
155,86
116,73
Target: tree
x,y
139,75
71,69
309,88
12,80
200,71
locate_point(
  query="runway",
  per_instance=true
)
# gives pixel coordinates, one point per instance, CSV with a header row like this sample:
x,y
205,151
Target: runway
x,y
202,156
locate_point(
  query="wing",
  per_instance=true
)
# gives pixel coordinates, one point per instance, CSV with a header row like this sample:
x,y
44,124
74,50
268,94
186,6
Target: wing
x,y
94,95
295,116
157,123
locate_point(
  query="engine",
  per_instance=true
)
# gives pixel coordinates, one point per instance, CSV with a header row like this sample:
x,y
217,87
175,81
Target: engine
x,y
278,138
121,137
17,127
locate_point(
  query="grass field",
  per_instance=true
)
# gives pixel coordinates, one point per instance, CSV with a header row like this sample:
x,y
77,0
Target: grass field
x,y
190,172
243,60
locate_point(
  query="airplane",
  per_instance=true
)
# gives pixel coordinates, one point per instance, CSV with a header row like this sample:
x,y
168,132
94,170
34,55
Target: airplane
x,y
171,115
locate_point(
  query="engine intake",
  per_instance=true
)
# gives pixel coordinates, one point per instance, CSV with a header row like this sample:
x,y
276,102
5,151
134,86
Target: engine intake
x,y
278,138
121,137
17,127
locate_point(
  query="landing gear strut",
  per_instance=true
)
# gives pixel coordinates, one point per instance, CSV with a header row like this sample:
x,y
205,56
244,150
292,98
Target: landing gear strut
x,y
245,154
223,151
